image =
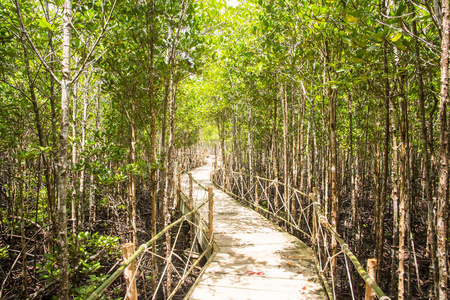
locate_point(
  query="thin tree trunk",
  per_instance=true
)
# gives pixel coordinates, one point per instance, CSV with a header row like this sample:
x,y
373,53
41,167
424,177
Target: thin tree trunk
x,y
73,218
169,168
431,230
382,207
81,197
33,99
403,187
63,155
441,215
285,150
301,151
153,158
394,195
132,180
376,178
275,151
334,187
169,161
22,230
354,169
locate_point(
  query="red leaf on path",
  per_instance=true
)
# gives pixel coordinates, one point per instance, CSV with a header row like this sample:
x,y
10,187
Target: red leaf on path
x,y
304,288
254,273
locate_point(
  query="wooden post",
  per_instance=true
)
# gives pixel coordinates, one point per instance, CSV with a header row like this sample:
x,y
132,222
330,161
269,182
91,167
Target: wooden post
x,y
191,197
215,167
372,271
256,198
129,273
314,219
179,188
191,207
225,178
210,214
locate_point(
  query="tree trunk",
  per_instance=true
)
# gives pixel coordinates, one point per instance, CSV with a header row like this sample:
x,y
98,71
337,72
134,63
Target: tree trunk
x,y
441,216
132,180
275,151
394,195
37,115
169,168
73,218
334,187
354,168
63,155
153,158
384,186
285,150
403,188
431,229
22,230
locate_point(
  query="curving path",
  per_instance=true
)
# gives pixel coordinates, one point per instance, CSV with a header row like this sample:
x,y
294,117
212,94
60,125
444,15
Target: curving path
x,y
255,258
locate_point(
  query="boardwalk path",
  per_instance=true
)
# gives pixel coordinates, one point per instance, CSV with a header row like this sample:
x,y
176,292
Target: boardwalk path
x,y
255,259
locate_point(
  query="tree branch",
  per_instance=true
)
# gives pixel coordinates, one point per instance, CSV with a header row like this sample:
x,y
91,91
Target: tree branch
x,y
77,75
33,47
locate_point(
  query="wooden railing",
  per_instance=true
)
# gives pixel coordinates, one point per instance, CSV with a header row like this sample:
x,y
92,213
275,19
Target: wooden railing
x,y
301,214
193,200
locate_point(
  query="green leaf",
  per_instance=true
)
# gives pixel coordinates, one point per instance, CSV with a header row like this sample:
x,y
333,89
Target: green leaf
x,y
396,37
351,19
373,47
42,22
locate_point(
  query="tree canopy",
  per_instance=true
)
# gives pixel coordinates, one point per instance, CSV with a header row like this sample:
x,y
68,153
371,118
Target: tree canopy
x,y
102,102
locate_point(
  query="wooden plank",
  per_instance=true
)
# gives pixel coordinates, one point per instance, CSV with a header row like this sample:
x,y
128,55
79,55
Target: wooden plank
x,y
255,259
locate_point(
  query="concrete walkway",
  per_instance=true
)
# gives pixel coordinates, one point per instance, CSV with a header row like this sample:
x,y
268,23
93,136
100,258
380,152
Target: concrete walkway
x,y
255,258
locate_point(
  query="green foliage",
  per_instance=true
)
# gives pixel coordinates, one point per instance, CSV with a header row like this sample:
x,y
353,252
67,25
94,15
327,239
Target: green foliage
x,y
88,246
89,243
92,253
4,252
48,271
